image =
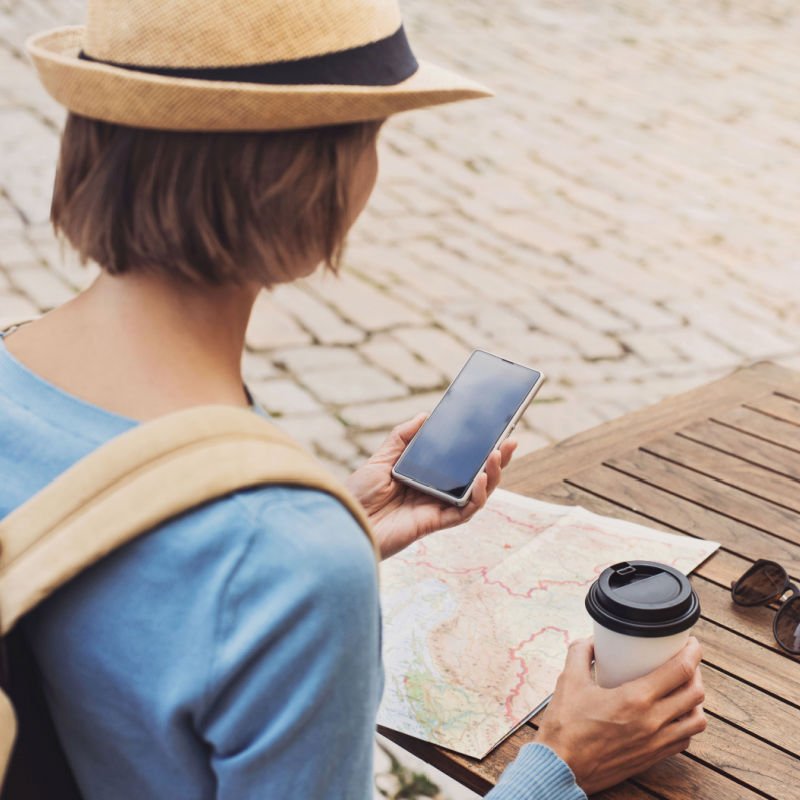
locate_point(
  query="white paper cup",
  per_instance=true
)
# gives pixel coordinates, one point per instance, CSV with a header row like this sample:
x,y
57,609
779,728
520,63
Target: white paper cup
x,y
643,613
620,658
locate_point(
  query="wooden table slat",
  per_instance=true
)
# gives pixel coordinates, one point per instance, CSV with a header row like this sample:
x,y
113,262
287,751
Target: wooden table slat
x,y
683,778
761,425
742,756
749,661
559,461
787,394
778,406
706,492
728,469
750,448
625,791
762,715
655,504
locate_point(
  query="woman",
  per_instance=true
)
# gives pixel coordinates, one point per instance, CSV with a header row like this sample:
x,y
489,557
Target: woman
x,y
212,150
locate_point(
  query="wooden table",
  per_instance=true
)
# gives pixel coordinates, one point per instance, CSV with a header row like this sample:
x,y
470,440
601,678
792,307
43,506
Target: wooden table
x,y
720,462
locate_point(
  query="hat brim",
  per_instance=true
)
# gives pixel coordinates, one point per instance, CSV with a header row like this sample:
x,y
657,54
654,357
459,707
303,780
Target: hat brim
x,y
144,100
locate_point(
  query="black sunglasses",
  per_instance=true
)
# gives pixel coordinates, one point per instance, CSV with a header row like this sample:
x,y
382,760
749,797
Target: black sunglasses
x,y
764,583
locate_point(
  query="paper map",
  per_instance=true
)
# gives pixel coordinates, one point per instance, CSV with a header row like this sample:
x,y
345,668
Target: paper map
x,y
477,619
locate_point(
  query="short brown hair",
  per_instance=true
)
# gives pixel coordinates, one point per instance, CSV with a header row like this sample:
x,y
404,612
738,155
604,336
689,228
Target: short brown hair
x,y
206,207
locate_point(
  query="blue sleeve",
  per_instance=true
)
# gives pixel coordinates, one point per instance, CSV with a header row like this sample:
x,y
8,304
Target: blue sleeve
x,y
537,773
295,682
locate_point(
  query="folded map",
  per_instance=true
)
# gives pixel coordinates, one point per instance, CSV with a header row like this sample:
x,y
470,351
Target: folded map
x,y
477,619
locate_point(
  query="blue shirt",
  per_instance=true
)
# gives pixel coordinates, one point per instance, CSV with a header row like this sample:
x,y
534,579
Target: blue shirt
x,y
232,653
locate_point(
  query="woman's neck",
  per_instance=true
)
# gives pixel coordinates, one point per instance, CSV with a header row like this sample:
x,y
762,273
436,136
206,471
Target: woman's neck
x,y
141,347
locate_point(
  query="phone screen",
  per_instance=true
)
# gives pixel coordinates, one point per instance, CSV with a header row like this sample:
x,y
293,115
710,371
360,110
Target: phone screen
x,y
458,436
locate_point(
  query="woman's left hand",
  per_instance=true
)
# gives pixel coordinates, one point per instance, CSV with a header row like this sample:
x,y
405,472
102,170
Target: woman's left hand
x,y
399,514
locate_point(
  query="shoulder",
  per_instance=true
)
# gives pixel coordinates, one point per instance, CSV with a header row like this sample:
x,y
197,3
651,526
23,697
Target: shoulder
x,y
306,527
300,551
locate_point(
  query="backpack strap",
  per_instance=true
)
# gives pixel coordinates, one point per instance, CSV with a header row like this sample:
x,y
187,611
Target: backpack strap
x,y
138,480
8,732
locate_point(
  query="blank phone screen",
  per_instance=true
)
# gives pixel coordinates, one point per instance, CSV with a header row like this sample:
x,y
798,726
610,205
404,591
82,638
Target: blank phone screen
x,y
457,438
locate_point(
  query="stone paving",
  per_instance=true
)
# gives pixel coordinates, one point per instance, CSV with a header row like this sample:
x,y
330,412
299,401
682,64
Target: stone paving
x,y
623,215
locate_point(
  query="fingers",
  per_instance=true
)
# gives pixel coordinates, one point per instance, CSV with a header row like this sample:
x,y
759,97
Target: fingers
x,y
683,700
661,746
644,762
493,471
497,462
398,439
485,484
406,431
453,515
480,493
506,451
690,725
671,749
676,672
578,666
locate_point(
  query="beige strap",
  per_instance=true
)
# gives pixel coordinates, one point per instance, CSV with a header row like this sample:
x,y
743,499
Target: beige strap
x,y
138,480
6,332
8,732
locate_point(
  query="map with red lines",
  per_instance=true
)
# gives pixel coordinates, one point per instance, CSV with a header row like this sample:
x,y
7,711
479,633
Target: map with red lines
x,y
477,619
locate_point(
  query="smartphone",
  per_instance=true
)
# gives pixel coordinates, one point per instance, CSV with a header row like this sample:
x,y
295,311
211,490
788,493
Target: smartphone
x,y
479,409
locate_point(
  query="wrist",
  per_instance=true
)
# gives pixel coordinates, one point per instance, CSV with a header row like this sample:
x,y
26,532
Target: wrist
x,y
538,771
552,741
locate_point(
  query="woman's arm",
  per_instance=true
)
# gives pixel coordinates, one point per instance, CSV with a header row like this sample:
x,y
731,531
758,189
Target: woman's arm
x,y
294,684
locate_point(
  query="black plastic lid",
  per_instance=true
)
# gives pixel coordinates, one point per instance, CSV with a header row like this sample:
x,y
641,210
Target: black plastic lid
x,y
642,598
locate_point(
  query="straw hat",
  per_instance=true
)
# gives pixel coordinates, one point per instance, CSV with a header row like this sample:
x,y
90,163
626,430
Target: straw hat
x,y
240,64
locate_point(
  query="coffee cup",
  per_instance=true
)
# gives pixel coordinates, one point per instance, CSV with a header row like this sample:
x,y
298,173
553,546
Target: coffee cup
x,y
643,613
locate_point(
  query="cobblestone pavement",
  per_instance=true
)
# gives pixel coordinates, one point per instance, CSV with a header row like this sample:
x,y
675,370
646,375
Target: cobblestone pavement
x,y
623,215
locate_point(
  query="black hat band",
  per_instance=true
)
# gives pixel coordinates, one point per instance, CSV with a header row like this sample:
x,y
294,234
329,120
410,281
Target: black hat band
x,y
386,62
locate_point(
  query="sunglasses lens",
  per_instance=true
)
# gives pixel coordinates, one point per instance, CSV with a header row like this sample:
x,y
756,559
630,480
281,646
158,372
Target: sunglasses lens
x,y
787,625
760,583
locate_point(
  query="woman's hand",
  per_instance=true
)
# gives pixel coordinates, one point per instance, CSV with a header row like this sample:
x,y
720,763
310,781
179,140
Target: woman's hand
x,y
399,514
607,735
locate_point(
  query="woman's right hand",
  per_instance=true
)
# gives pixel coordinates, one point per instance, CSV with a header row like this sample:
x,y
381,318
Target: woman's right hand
x,y
607,735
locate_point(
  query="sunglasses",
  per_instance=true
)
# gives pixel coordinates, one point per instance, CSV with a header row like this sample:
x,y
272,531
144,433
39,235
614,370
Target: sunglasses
x,y
764,583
